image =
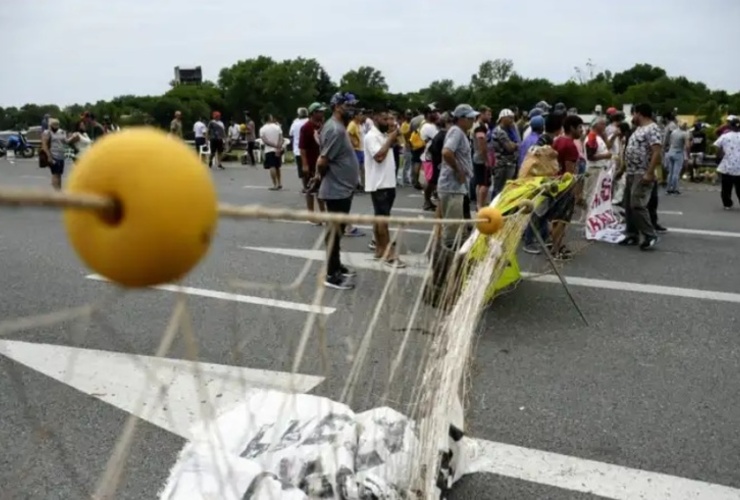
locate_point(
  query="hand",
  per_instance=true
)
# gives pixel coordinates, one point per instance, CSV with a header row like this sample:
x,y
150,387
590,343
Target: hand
x,y
278,151
648,178
460,176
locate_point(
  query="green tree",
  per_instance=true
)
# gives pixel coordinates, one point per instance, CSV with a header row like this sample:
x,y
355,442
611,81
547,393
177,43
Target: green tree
x,y
637,74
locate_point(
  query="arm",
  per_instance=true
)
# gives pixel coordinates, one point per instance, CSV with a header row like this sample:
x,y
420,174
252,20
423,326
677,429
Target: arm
x,y
46,143
379,153
480,139
656,156
328,145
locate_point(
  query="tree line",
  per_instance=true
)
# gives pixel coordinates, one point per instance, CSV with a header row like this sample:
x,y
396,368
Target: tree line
x,y
264,85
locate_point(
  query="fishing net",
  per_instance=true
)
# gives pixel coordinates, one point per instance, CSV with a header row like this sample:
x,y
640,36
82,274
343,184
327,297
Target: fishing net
x,y
376,406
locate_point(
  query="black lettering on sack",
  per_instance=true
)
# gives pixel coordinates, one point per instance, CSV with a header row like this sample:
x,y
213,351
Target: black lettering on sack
x,y
256,447
293,434
327,429
254,486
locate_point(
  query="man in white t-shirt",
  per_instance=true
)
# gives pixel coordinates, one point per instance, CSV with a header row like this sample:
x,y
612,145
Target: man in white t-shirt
x,y
295,134
233,134
380,180
199,131
427,132
271,136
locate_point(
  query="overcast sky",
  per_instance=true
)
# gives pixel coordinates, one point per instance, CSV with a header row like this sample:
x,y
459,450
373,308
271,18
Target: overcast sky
x,y
73,51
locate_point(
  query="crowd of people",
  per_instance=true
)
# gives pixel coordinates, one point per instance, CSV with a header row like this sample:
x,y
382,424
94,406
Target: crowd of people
x,y
459,159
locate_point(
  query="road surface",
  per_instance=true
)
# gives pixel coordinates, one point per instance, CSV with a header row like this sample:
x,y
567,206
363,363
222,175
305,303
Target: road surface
x,y
642,403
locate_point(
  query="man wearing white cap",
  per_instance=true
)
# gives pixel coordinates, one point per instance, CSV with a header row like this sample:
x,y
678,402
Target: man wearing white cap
x,y
456,172
505,144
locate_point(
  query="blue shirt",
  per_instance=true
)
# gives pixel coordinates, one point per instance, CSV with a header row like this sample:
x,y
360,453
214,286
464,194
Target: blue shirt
x,y
530,141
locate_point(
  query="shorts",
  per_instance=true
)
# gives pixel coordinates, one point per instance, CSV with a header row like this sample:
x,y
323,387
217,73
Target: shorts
x,y
57,167
561,208
416,155
272,160
299,166
217,146
482,175
199,141
360,158
383,201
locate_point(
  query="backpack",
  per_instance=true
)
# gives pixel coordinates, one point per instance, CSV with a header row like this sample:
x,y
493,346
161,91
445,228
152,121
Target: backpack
x,y
416,141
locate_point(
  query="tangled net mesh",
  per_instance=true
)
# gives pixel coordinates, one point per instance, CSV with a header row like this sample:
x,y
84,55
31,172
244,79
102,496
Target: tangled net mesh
x,y
382,424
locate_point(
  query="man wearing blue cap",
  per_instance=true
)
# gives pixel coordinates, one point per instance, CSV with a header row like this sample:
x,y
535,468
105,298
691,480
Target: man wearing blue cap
x,y
340,174
456,172
537,127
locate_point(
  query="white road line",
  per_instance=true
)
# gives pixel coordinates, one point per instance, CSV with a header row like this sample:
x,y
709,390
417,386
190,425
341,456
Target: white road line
x,y
417,267
669,212
128,380
34,177
234,297
704,232
368,228
689,293
588,476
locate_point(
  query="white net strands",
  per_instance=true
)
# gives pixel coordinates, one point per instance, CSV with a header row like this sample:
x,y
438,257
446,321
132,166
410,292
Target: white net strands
x,y
364,405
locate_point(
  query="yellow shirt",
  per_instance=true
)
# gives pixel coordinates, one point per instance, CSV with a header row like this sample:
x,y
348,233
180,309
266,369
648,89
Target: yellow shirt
x,y
355,136
405,131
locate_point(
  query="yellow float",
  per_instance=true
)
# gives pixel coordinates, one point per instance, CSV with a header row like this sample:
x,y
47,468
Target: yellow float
x,y
165,208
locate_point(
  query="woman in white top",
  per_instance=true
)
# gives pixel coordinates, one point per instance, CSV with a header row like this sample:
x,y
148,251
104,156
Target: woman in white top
x,y
728,146
79,140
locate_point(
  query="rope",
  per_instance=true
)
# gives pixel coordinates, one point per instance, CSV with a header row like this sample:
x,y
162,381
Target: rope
x,y
15,197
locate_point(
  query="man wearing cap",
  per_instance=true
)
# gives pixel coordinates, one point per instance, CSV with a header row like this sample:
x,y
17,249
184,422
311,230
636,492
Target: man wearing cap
x,y
481,161
294,133
340,174
308,145
456,172
216,133
504,141
537,126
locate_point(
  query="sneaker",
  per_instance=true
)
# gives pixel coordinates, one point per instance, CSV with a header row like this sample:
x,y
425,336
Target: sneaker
x,y
649,243
347,272
394,263
661,229
563,255
676,191
372,245
429,207
532,249
629,241
354,233
338,283
727,208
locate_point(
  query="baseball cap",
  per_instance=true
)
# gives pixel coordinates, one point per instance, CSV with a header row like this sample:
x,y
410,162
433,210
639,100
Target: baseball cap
x,y
536,112
316,106
731,118
343,98
537,122
611,111
464,111
543,106
505,113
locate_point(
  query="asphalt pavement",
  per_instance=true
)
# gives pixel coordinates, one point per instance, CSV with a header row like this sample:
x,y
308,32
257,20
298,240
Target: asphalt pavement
x,y
648,386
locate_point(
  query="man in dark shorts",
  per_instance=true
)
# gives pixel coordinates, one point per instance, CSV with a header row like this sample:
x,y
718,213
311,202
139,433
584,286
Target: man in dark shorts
x,y
271,135
216,135
380,180
308,145
340,173
481,165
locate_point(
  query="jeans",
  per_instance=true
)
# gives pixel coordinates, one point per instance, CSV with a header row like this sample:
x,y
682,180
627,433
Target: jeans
x,y
334,235
675,161
501,174
452,206
406,170
728,182
543,228
636,198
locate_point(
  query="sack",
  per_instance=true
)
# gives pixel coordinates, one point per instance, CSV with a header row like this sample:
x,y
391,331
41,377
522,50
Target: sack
x,y
428,167
541,161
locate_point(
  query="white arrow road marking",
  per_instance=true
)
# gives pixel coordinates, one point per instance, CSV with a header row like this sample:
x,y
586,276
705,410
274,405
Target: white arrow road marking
x,y
417,267
128,380
235,297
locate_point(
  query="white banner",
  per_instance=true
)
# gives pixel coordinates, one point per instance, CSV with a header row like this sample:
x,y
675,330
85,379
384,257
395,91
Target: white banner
x,y
602,224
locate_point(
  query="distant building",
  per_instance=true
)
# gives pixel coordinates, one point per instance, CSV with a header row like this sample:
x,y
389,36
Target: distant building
x,y
188,75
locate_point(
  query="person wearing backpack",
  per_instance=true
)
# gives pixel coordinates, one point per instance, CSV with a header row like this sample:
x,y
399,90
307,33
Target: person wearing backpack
x,y
417,143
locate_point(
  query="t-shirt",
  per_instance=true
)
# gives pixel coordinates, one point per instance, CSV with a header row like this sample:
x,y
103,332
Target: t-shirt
x,y
456,141
308,141
272,133
249,134
295,132
176,128
405,132
216,129
57,143
667,131
638,152
435,148
567,151
677,140
500,139
355,135
526,145
343,173
378,175
698,141
427,133
480,129
234,132
730,144
597,143
199,129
